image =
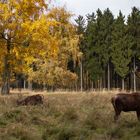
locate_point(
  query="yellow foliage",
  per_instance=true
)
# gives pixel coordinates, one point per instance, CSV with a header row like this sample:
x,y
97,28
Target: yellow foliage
x,y
38,41
58,42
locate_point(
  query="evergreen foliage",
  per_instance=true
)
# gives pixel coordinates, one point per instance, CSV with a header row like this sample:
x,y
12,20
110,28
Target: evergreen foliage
x,y
111,44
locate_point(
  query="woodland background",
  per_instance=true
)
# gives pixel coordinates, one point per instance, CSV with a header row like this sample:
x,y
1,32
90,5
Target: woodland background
x,y
41,49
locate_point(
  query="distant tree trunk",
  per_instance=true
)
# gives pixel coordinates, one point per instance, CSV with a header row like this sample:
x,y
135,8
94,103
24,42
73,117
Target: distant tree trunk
x,y
134,75
122,83
81,75
30,85
6,72
87,81
92,85
24,84
129,82
100,84
44,86
108,79
117,82
104,79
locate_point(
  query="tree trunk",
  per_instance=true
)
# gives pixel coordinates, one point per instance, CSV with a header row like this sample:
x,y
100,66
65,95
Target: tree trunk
x,y
6,83
104,80
100,84
6,72
81,75
24,84
92,86
44,87
134,75
123,84
108,79
30,85
118,86
6,79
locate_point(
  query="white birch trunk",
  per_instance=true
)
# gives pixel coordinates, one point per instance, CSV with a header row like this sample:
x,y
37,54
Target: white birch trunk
x,y
123,84
134,75
108,84
24,84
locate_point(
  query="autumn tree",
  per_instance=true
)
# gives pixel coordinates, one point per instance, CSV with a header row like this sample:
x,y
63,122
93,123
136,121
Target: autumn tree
x,y
16,18
57,40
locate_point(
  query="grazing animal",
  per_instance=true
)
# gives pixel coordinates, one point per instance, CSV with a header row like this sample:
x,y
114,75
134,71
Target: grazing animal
x,y
31,100
126,102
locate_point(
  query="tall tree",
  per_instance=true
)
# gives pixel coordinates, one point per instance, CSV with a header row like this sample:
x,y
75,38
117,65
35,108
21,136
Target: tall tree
x,y
99,39
93,61
15,19
121,48
104,23
58,42
134,30
80,21
106,33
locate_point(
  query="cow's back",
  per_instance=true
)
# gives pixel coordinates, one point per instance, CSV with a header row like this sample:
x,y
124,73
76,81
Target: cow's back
x,y
127,102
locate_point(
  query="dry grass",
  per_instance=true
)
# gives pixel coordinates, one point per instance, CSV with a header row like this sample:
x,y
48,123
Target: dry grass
x,y
66,116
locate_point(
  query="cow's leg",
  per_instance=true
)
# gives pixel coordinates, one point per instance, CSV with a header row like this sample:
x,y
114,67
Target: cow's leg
x,y
117,114
138,115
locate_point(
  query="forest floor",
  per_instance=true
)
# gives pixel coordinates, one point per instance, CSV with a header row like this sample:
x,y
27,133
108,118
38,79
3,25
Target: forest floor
x,y
66,116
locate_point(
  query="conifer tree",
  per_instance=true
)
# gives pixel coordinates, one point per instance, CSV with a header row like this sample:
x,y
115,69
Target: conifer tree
x,y
134,30
93,61
121,48
104,22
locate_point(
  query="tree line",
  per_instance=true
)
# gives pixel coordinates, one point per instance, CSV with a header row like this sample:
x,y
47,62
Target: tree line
x,y
111,50
40,48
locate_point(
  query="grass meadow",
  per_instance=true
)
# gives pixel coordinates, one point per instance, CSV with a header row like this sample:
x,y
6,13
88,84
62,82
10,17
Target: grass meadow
x,y
66,116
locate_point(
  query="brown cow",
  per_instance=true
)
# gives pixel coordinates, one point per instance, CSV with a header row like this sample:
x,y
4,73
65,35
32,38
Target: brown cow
x,y
126,102
31,100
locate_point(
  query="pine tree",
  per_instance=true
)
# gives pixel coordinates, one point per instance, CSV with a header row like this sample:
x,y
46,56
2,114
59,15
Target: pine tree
x,y
121,48
99,39
134,30
93,61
